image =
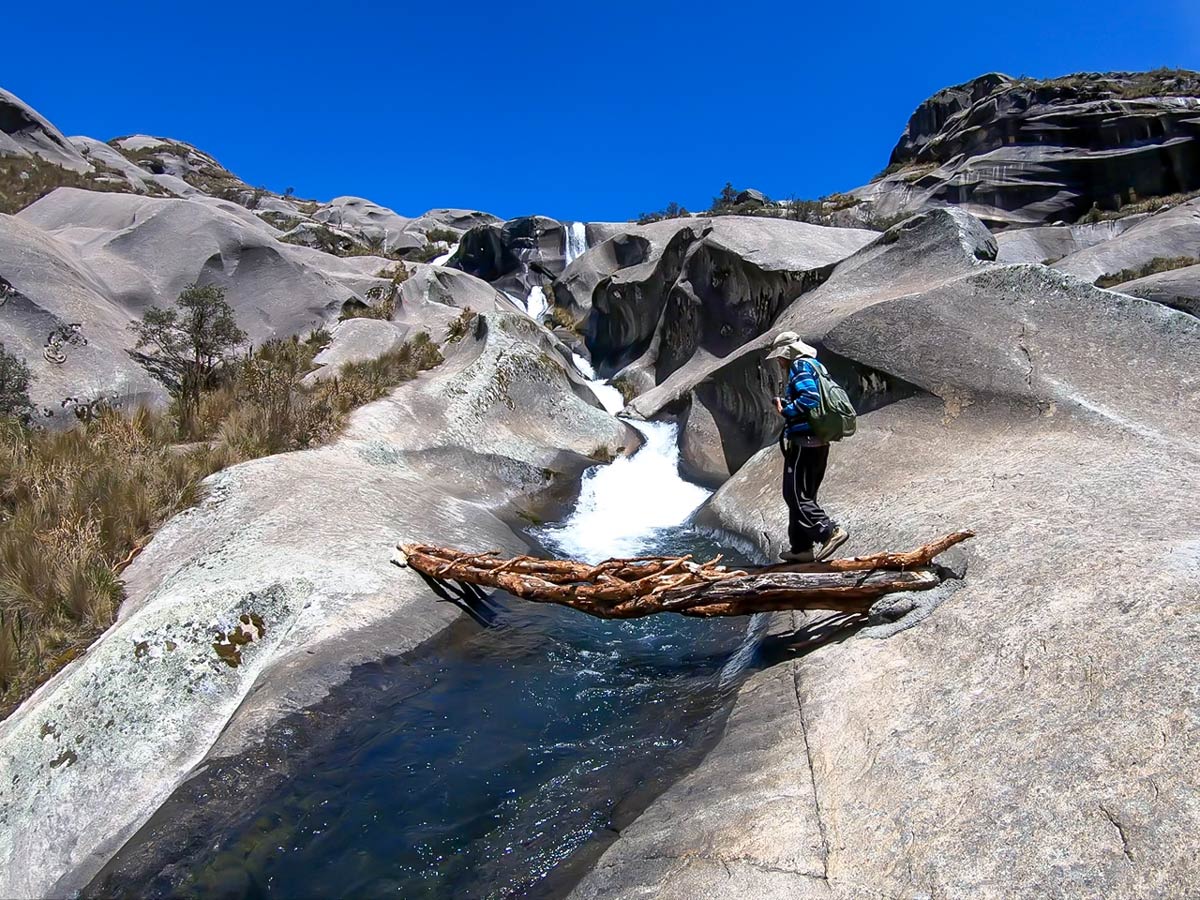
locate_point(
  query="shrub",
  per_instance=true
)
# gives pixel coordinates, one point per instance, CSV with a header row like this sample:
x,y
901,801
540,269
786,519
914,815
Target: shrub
x,y
725,200
1135,206
14,386
74,505
671,211
25,180
562,318
423,254
1153,267
384,297
445,235
459,327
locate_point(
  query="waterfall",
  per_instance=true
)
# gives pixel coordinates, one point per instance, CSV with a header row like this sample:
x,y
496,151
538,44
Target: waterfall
x,y
610,398
535,303
445,257
576,241
625,505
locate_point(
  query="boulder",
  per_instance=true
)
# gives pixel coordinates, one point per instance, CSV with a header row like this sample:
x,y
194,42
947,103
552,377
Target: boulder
x,y
930,249
135,177
291,552
514,256
143,251
457,220
1047,244
1179,288
174,163
686,286
370,222
701,451
751,197
57,315
356,340
1172,233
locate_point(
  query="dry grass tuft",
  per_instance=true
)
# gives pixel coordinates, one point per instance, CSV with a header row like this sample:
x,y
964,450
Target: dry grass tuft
x,y
1153,267
76,506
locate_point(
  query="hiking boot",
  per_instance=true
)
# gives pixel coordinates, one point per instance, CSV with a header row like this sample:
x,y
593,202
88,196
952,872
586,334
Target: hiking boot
x,y
836,538
799,556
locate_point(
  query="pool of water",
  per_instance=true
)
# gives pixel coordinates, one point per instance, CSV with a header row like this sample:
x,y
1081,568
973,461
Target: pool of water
x,y
497,760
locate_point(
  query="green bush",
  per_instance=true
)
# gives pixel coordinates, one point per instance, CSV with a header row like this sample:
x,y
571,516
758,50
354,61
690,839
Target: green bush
x,y
191,341
445,235
671,211
14,386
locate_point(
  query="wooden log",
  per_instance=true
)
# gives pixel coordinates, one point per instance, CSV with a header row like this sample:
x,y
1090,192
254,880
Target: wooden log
x,y
643,586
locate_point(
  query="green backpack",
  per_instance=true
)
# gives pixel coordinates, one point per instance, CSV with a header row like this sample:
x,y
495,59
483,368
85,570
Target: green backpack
x,y
834,418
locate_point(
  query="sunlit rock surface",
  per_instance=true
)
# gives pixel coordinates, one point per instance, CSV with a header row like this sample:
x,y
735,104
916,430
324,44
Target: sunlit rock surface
x,y
1029,152
1179,288
24,133
1171,233
1034,735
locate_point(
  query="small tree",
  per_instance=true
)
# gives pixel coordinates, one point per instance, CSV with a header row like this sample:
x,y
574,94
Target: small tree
x,y
191,341
726,199
14,385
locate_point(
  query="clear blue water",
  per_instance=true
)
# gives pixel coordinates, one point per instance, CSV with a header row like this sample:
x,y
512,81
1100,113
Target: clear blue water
x,y
493,762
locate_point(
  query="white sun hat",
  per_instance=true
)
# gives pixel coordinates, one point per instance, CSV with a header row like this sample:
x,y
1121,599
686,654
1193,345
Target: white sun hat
x,y
788,345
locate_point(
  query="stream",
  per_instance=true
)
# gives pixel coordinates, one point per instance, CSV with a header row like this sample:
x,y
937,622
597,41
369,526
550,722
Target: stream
x,y
496,760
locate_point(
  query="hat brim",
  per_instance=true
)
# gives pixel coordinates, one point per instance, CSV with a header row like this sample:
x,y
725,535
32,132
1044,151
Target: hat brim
x,y
793,351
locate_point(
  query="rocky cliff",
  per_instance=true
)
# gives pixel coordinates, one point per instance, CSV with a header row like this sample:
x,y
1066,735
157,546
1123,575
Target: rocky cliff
x,y
1019,151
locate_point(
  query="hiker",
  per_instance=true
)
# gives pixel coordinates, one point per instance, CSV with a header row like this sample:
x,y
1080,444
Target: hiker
x,y
810,423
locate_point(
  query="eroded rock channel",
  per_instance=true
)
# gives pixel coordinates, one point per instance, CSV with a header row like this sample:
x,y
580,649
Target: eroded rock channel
x,y
499,758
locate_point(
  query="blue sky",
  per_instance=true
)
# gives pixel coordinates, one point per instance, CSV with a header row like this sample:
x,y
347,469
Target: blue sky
x,y
578,111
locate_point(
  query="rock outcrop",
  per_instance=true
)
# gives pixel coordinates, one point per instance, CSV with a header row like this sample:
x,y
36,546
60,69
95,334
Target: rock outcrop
x,y
657,295
1034,735
380,227
1028,152
24,133
1179,288
80,266
1169,234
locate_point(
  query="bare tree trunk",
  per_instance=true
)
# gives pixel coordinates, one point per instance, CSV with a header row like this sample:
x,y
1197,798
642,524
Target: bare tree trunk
x,y
631,588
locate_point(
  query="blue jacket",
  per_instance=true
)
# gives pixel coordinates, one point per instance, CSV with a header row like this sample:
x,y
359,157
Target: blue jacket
x,y
800,397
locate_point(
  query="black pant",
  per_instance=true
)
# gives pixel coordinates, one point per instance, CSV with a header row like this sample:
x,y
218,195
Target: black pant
x,y
803,471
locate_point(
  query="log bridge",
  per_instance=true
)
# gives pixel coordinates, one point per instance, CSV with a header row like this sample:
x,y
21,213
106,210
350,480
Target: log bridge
x,y
643,586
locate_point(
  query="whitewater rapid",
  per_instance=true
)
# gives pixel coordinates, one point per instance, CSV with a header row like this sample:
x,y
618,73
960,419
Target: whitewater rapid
x,y
625,505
